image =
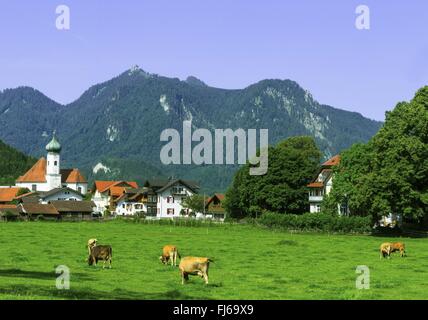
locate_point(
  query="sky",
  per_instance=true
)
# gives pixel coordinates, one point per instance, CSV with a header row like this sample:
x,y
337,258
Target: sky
x,y
226,43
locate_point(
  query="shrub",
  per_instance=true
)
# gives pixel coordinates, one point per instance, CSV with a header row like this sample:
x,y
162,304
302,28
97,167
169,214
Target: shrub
x,y
317,222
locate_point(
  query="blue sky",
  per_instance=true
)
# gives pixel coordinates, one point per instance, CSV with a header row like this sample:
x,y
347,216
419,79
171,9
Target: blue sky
x,y
228,44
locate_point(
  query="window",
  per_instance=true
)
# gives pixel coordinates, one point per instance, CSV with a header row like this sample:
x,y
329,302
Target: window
x,y
318,208
55,163
34,187
79,189
177,190
170,211
170,199
123,206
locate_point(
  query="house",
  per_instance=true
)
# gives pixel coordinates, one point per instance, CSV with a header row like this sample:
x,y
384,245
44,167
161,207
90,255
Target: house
x,y
322,186
170,196
57,209
106,192
74,209
134,201
64,194
60,194
214,207
36,210
46,174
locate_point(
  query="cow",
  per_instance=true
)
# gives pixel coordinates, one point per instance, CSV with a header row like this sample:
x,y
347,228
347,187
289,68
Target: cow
x,y
91,243
194,266
399,246
385,250
169,252
100,252
389,247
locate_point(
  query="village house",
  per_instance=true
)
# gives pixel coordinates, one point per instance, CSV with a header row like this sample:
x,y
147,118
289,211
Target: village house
x,y
214,207
57,210
105,193
322,184
46,174
133,202
59,194
170,196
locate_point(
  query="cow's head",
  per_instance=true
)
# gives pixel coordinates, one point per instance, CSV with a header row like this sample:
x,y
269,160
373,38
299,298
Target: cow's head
x,y
92,243
163,259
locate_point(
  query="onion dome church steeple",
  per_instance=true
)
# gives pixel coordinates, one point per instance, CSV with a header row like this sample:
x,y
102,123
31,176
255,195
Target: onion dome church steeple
x,y
53,146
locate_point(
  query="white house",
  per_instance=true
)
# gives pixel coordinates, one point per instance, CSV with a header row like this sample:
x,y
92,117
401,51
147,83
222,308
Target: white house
x,y
106,192
133,201
60,194
170,196
322,186
46,174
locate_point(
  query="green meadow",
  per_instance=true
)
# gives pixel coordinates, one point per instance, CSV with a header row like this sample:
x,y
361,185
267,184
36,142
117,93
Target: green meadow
x,y
250,263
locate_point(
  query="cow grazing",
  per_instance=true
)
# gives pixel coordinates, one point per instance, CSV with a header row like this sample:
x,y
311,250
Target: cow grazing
x,y
169,252
399,246
385,250
91,243
194,266
389,247
100,252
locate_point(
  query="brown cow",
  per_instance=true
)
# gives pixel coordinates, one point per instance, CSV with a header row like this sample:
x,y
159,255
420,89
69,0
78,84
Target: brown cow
x,y
100,252
169,252
399,246
194,266
389,247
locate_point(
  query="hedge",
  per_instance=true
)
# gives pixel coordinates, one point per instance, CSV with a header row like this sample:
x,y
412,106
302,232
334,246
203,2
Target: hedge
x,y
317,222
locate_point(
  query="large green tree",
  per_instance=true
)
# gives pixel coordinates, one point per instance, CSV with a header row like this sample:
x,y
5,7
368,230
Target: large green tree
x,y
390,173
292,164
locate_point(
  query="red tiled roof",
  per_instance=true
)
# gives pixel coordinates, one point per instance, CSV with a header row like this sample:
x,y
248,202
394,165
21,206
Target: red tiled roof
x,y
316,185
332,161
72,176
220,196
103,186
117,191
36,174
8,194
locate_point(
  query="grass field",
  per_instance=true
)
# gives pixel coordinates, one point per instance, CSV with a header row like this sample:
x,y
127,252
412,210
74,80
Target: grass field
x,y
250,263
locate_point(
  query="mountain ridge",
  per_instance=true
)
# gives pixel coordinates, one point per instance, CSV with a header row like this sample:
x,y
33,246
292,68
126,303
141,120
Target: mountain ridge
x,y
119,121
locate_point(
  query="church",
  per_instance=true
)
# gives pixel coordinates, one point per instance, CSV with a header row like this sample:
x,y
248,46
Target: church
x,y
46,174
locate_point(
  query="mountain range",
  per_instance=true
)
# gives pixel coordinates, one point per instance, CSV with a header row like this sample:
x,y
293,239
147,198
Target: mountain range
x,y
113,129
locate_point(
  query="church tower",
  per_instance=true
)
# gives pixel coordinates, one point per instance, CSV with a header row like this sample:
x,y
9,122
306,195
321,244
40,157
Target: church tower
x,y
53,175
